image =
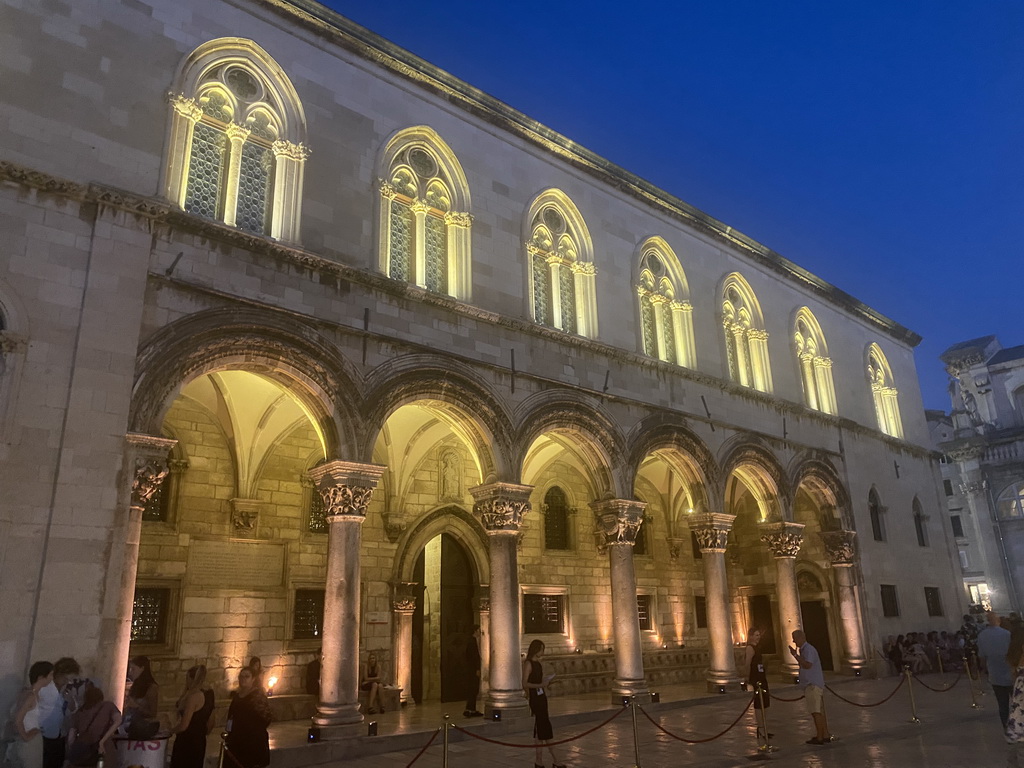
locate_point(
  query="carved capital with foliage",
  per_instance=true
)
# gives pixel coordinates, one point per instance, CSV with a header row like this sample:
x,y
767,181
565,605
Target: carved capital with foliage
x,y
783,539
346,488
282,148
711,529
186,107
148,457
618,520
405,597
458,219
501,506
840,546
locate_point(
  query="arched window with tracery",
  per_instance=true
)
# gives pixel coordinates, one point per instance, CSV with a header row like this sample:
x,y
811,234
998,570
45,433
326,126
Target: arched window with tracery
x,y
884,393
561,266
425,224
666,315
746,340
237,149
814,363
1010,503
556,519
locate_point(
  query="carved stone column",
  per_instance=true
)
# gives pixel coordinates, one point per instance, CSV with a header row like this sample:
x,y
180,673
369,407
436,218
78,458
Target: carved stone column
x,y
841,547
618,521
501,507
402,608
146,467
784,540
346,488
712,532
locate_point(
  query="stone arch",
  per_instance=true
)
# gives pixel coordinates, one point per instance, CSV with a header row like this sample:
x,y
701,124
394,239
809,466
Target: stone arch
x,y
564,413
283,349
456,522
423,377
824,485
749,456
668,433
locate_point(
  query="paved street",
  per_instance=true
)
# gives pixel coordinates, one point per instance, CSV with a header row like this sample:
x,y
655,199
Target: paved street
x,y
950,733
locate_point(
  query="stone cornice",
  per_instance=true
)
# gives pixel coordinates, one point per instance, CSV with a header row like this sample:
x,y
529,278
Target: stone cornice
x,y
361,41
159,210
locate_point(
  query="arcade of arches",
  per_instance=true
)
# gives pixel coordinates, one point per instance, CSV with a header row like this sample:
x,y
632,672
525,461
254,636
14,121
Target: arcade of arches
x,y
637,559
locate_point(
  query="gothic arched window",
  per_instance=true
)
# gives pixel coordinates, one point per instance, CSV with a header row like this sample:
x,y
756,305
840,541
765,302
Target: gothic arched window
x,y
814,363
561,267
424,225
666,321
237,132
884,393
1010,503
746,340
556,519
920,524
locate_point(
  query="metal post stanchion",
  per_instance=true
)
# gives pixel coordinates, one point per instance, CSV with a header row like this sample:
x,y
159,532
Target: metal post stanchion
x,y
220,753
636,738
910,687
766,748
444,756
938,655
977,673
970,684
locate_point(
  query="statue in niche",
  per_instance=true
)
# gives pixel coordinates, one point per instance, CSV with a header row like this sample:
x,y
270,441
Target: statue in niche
x,y
450,480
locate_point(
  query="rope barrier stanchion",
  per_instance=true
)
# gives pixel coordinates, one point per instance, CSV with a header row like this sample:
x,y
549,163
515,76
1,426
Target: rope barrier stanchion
x,y
763,750
423,749
444,758
698,741
636,738
597,727
938,655
940,690
913,705
970,684
788,701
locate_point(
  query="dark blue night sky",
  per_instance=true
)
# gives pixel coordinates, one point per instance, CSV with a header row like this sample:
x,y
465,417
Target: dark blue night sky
x,y
878,144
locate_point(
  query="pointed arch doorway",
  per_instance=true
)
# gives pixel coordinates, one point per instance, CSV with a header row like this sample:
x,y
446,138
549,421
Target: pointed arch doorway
x,y
443,620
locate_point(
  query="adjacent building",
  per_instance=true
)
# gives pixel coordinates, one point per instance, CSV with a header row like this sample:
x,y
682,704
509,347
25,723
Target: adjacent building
x,y
982,442
310,348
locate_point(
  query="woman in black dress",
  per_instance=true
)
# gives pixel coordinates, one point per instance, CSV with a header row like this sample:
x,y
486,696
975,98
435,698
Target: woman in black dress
x,y
756,676
536,685
248,718
195,709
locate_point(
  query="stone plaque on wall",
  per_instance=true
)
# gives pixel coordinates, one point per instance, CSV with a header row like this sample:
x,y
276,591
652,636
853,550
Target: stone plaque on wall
x,y
236,564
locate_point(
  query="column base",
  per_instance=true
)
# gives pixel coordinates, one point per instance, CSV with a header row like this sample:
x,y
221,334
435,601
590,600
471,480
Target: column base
x,y
506,705
722,682
340,732
624,689
342,716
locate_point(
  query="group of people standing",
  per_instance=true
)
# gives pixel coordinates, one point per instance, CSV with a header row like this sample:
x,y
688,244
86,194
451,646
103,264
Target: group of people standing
x,y
61,719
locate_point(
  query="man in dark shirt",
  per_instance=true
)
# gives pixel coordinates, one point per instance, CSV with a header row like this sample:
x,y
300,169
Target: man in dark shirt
x,y
472,674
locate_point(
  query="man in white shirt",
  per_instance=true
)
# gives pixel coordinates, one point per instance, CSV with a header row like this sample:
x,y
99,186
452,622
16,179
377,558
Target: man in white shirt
x,y
812,680
53,712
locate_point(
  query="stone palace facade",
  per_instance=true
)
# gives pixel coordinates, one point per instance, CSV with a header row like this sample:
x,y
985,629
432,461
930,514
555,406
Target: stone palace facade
x,y
307,345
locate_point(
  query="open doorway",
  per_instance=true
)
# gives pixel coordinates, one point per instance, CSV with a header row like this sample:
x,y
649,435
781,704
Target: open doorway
x,y
443,620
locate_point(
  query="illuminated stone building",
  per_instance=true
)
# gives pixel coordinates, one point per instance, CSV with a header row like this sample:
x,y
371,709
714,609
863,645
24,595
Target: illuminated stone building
x,y
306,342
982,442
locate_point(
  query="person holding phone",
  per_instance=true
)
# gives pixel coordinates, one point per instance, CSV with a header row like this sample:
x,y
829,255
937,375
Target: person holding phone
x,y
812,680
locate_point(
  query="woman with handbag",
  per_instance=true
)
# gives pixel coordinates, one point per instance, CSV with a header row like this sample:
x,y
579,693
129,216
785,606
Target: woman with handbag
x,y
26,748
195,708
142,701
92,727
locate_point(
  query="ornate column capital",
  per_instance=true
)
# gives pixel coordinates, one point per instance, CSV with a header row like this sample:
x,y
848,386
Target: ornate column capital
x,y
186,107
388,190
235,131
501,506
840,546
148,457
783,539
711,529
583,268
405,597
459,219
420,206
757,333
282,148
346,487
618,520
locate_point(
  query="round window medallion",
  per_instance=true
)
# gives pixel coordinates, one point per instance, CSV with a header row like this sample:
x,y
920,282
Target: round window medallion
x,y
422,162
242,84
553,220
654,264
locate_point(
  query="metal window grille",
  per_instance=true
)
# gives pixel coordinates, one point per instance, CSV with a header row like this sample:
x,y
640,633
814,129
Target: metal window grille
x,y
644,612
256,170
543,614
308,614
400,245
317,518
150,614
157,507
556,520
436,254
207,159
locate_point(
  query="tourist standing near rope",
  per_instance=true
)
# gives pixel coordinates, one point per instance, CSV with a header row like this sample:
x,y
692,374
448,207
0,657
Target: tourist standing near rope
x,y
756,676
536,685
993,645
812,680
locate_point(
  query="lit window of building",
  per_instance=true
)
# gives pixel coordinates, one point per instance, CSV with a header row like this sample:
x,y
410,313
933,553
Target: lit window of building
x,y
746,340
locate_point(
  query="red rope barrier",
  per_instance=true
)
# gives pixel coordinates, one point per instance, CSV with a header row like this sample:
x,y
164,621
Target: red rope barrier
x,y
534,746
700,741
780,698
940,690
425,746
876,704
